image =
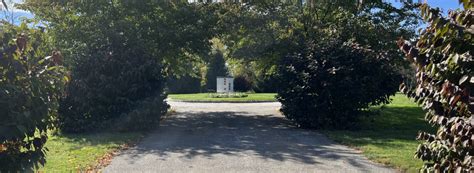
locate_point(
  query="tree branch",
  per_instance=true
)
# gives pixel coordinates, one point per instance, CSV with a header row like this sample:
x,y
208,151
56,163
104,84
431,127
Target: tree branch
x,y
5,4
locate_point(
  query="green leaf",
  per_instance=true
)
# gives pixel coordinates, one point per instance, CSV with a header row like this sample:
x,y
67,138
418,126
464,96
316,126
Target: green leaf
x,y
463,79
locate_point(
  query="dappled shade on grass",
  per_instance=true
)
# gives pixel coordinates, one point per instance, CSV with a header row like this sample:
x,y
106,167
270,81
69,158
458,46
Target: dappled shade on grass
x,y
389,136
76,152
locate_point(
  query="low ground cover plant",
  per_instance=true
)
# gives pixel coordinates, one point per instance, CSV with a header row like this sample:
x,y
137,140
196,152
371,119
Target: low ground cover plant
x,y
228,95
204,97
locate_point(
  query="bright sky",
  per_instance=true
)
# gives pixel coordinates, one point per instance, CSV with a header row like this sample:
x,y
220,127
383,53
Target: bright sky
x,y
445,5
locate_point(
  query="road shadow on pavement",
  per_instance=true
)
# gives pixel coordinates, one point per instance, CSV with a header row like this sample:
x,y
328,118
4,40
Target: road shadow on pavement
x,y
188,135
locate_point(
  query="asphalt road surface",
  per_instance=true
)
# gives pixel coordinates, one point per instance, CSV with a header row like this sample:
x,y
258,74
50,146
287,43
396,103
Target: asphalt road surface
x,y
237,137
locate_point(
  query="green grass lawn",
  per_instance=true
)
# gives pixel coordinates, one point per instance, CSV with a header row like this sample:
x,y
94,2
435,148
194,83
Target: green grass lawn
x,y
389,137
204,97
74,153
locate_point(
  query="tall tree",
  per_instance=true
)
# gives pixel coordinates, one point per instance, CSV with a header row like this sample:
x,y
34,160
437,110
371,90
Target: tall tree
x,y
120,53
217,67
270,30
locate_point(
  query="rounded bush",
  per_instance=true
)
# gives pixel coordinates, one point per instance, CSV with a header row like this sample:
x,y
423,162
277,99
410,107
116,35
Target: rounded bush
x,y
242,84
326,86
266,84
102,88
185,85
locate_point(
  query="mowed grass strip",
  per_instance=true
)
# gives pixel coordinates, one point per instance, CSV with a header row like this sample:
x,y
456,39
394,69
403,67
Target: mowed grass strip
x,y
77,152
389,137
204,97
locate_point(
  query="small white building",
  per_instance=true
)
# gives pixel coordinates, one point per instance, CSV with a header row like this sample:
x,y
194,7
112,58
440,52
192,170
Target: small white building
x,y
225,84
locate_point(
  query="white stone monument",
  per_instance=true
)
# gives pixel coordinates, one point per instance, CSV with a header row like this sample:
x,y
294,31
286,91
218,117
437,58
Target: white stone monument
x,y
225,84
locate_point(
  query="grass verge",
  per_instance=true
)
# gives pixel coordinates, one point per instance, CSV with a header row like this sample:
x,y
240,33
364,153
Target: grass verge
x,y
80,152
204,97
389,137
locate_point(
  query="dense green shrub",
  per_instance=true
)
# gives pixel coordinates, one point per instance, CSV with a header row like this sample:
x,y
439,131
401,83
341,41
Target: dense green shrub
x,y
184,85
120,53
104,86
266,84
145,116
242,84
30,85
327,85
445,88
114,70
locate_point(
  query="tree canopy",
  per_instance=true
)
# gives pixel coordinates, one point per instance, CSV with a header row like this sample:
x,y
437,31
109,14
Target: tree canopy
x,y
119,55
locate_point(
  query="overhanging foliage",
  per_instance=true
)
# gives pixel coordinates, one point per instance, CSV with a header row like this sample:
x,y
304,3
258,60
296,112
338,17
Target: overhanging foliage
x,y
445,88
30,85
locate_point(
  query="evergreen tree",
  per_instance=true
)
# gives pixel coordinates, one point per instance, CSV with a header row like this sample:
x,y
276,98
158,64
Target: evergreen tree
x,y
216,67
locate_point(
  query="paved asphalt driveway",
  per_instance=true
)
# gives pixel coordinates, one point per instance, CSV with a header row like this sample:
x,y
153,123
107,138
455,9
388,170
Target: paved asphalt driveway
x,y
237,137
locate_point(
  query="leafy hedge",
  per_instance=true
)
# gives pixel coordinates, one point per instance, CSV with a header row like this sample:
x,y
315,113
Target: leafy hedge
x,y
117,70
266,84
30,85
184,85
106,86
327,85
120,53
444,87
242,84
